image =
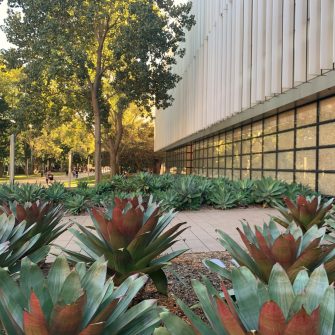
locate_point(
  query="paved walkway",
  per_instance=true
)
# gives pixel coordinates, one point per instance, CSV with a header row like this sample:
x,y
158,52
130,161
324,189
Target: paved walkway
x,y
201,236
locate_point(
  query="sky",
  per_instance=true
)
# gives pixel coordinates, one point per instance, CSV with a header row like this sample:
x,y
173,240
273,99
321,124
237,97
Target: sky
x,y
3,13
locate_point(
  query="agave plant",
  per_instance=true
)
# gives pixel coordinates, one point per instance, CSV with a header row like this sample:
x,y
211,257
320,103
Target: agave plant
x,y
269,192
223,195
77,302
131,236
43,219
306,307
17,242
305,212
23,193
244,190
75,204
292,249
295,189
55,193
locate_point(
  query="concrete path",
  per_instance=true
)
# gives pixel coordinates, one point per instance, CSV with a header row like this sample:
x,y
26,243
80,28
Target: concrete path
x,y
201,236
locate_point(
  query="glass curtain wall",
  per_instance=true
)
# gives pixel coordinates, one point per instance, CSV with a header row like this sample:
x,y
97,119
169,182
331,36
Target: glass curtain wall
x,y
295,145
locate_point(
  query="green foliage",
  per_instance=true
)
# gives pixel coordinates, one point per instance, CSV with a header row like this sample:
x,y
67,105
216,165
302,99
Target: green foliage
x,y
131,236
304,307
223,194
75,204
73,302
55,193
21,193
269,192
16,242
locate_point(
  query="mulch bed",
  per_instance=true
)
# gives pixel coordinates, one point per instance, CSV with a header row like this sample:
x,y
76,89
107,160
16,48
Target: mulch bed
x,y
185,268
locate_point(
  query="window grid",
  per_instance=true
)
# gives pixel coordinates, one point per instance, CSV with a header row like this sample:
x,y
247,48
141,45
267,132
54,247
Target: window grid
x,y
226,153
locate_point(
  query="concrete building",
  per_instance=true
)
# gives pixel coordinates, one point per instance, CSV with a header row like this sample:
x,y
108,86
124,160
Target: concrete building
x,y
257,96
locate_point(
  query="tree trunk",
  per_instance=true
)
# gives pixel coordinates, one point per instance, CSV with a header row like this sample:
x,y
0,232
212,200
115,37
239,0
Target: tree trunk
x,y
97,131
2,168
113,161
27,167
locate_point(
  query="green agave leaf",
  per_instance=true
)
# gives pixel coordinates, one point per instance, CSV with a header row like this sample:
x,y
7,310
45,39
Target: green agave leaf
x,y
315,288
136,319
217,269
160,281
300,282
208,305
196,321
327,312
246,293
280,289
176,326
57,276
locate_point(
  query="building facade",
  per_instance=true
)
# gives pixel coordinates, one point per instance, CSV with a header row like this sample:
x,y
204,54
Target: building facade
x,y
257,96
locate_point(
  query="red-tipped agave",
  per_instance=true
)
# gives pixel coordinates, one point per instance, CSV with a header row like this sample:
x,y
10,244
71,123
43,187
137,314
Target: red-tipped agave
x,y
267,246
131,235
73,302
305,307
304,212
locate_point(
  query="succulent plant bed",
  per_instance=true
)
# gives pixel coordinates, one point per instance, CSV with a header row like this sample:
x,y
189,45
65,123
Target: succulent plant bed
x,y
183,270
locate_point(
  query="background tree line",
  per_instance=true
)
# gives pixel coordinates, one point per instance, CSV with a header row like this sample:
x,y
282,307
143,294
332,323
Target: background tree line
x,y
89,73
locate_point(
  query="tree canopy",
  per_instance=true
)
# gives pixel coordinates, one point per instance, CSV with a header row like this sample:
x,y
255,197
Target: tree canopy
x,y
96,58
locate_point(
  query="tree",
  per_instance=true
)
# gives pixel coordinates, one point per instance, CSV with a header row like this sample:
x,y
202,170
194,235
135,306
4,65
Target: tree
x,y
125,47
9,96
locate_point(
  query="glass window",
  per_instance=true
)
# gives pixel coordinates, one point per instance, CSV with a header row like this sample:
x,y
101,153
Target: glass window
x,y
221,162
269,161
305,178
327,109
237,175
246,162
305,160
210,163
286,120
246,147
257,128
237,147
215,173
215,163
221,173
306,137
229,173
257,161
286,176
270,143
327,183
237,161
306,115
245,174
246,131
327,134
229,162
229,137
256,174
221,150
270,125
257,144
286,140
285,160
229,149
237,134
326,160
271,174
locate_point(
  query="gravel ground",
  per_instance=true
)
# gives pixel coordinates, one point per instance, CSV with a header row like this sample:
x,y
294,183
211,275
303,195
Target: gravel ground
x,y
185,268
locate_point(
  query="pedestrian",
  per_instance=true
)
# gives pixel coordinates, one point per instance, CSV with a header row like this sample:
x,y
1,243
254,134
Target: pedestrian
x,y
77,173
46,174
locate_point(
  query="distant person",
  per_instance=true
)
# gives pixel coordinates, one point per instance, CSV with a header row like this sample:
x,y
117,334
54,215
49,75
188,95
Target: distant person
x,y
50,177
77,173
46,174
